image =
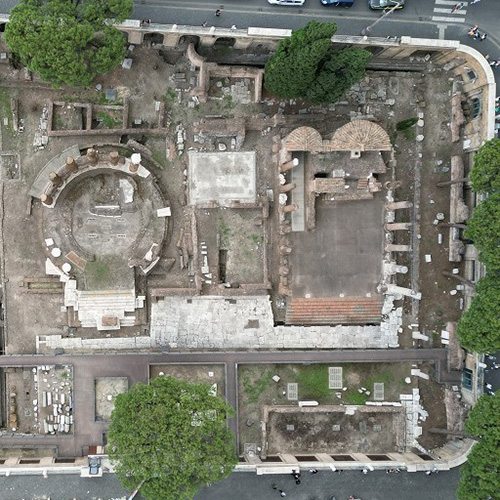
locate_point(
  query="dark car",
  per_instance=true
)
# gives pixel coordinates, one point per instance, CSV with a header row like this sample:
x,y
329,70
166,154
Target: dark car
x,y
94,465
338,3
386,4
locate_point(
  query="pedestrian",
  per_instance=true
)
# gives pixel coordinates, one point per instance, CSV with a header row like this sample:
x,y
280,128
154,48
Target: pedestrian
x,y
282,493
218,12
204,23
483,36
428,472
365,471
234,27
297,481
313,471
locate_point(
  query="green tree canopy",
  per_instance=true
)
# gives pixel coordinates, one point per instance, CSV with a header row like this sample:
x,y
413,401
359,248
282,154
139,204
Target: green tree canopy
x,y
480,477
485,175
306,66
172,437
68,41
483,228
338,74
484,418
479,327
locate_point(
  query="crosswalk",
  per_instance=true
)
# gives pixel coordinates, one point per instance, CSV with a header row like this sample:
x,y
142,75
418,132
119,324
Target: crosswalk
x,y
443,11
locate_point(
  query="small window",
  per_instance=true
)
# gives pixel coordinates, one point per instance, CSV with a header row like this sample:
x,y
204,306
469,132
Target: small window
x,y
476,106
471,74
467,379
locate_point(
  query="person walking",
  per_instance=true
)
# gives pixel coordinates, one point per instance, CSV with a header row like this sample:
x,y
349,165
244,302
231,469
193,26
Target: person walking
x,y
313,471
218,12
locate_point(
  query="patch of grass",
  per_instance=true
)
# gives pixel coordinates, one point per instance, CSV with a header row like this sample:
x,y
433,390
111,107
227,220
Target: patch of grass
x,y
254,389
313,383
58,123
225,233
356,398
98,273
159,157
5,111
108,120
409,134
228,100
169,96
256,238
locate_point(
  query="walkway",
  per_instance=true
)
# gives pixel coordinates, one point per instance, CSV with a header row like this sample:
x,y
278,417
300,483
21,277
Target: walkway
x,y
136,368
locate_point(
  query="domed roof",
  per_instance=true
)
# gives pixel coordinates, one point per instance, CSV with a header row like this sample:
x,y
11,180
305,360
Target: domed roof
x,y
304,139
360,135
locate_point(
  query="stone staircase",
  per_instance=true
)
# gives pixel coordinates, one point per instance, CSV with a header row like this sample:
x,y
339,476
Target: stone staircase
x,y
94,306
334,311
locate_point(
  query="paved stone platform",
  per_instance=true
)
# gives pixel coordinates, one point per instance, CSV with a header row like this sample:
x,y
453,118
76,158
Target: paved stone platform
x,y
219,323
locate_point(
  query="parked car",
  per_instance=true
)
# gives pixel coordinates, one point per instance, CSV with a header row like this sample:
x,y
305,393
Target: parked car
x,y
386,4
94,465
289,3
338,3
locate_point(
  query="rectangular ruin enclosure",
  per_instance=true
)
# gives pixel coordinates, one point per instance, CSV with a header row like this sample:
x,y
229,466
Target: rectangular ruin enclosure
x,y
343,255
106,390
372,430
40,399
223,178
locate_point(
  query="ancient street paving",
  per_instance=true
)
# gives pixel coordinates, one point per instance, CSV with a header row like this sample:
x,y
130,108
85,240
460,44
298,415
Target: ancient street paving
x,y
136,368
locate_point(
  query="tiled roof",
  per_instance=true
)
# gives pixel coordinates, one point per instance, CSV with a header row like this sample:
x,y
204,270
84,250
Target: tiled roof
x,y
334,311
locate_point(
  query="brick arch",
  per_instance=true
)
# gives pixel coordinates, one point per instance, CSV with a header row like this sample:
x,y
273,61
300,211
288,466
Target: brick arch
x,y
360,135
304,139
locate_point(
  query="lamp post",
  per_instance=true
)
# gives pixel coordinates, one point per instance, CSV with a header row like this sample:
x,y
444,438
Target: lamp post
x,y
366,31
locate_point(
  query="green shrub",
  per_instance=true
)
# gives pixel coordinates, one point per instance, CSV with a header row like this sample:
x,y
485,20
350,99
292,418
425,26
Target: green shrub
x,y
406,124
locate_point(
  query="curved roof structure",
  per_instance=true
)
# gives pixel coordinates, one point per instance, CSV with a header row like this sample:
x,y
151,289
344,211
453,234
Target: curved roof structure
x,y
360,135
304,139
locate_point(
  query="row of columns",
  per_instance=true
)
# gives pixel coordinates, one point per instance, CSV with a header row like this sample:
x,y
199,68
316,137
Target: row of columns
x,y
56,179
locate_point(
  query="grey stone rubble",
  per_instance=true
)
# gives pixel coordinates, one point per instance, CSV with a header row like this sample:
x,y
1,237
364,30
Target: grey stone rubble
x,y
216,322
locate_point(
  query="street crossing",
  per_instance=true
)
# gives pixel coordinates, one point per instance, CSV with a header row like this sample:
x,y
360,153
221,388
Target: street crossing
x,y
443,11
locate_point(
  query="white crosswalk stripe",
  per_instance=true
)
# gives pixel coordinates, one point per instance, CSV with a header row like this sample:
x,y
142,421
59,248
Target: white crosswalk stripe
x,y
451,3
445,7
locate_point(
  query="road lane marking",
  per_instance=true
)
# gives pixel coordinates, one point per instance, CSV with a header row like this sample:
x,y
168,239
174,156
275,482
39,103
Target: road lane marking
x,y
451,3
447,11
448,19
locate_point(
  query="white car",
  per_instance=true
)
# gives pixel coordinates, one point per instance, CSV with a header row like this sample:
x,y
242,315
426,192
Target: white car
x,y
289,3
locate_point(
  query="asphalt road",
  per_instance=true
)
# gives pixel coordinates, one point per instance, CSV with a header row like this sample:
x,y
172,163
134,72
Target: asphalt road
x,y
248,486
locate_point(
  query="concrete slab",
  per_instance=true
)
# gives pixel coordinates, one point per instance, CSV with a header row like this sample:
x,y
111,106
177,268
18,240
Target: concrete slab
x,y
343,254
222,177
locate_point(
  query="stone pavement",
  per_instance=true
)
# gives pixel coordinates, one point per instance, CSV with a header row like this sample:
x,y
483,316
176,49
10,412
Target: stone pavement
x,y
222,323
